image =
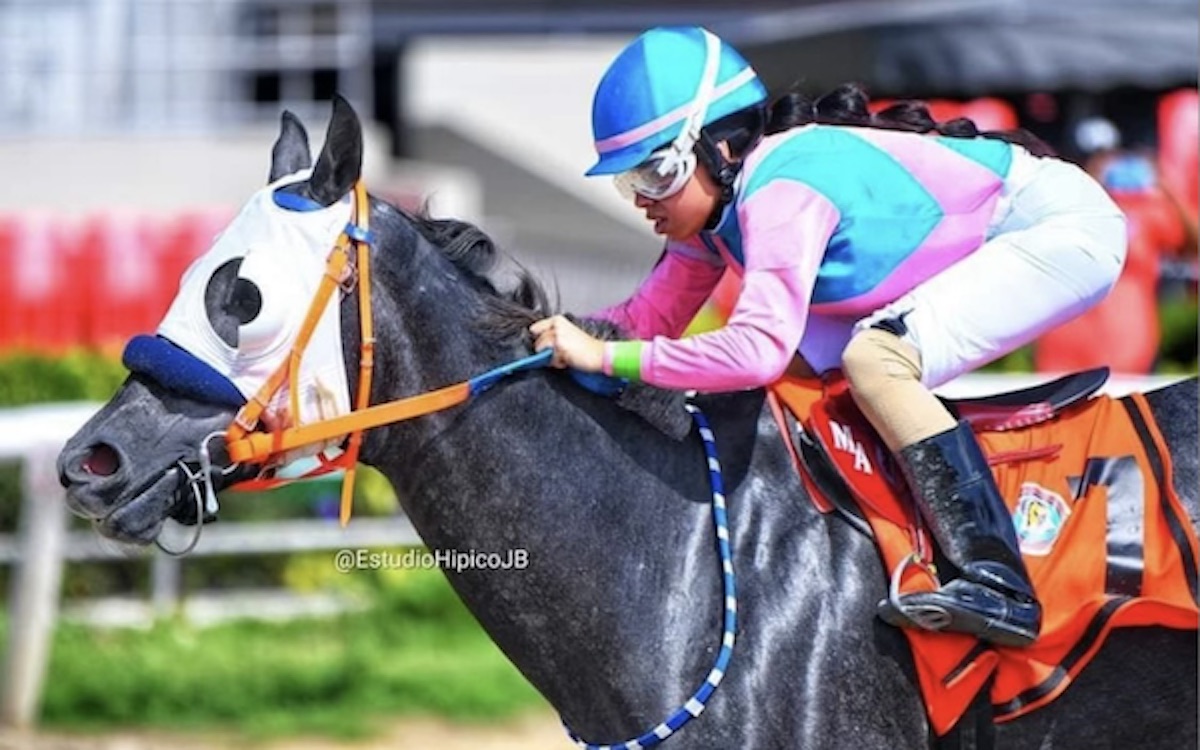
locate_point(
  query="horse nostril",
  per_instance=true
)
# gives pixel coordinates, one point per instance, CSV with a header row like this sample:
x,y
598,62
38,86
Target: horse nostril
x,y
101,461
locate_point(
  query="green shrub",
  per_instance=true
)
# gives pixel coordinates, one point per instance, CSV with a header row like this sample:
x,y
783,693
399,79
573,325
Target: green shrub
x,y
1179,319
418,652
27,378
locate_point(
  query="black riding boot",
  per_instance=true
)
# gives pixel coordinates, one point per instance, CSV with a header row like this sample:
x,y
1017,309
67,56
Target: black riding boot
x,y
959,501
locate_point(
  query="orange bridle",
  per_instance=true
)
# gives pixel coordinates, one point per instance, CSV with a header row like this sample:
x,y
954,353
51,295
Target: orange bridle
x,y
246,443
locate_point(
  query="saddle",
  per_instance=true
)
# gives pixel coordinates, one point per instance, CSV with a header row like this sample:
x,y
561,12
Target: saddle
x,y
1088,481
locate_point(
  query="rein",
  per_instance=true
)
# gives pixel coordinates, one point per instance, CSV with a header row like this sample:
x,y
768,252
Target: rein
x,y
696,704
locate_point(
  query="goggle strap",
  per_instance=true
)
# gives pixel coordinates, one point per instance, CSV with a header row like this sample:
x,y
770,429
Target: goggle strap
x,y
675,158
708,83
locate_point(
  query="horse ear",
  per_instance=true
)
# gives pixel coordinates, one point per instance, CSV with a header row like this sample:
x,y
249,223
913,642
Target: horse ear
x,y
290,153
340,163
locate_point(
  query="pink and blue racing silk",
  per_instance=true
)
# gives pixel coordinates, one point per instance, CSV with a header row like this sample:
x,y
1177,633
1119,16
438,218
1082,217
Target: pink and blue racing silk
x,y
826,220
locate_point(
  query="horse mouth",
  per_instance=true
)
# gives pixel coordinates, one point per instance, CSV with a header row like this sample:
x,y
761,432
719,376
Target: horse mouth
x,y
140,519
173,494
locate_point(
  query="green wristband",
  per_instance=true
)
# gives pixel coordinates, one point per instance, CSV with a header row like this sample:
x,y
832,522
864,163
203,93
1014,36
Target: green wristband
x,y
627,360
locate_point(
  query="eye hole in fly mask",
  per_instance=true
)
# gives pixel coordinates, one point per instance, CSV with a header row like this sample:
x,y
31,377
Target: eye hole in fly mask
x,y
231,301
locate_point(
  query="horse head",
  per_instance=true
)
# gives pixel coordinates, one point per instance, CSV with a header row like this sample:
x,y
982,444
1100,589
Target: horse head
x,y
156,449
145,455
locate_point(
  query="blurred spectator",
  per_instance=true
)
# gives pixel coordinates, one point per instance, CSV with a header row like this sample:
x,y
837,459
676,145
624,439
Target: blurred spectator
x,y
1123,330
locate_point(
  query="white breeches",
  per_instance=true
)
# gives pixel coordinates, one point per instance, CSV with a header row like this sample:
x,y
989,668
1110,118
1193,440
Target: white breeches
x,y
1054,248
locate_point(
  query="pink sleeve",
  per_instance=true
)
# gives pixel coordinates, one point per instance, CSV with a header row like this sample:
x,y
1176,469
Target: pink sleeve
x,y
786,227
670,296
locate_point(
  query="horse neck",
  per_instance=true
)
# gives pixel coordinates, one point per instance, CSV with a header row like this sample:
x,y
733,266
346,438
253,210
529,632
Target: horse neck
x,y
523,470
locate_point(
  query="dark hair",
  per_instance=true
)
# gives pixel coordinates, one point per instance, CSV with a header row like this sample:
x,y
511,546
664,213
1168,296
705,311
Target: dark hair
x,y
741,130
849,104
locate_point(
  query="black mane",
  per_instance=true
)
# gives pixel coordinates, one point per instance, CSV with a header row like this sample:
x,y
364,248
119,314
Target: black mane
x,y
506,315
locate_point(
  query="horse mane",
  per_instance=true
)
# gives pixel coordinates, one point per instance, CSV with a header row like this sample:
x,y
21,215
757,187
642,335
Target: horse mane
x,y
506,316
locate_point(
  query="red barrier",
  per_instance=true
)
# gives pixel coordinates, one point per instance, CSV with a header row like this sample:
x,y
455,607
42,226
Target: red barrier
x,y
124,278
10,228
1179,144
37,310
95,282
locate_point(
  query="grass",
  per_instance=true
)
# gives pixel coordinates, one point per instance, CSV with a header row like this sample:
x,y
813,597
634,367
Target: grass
x,y
418,652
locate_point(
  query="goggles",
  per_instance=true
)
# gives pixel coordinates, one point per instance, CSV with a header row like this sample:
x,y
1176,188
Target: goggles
x,y
662,175
666,171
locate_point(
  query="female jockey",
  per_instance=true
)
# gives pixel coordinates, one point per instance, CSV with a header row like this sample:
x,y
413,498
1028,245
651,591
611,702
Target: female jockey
x,y
904,259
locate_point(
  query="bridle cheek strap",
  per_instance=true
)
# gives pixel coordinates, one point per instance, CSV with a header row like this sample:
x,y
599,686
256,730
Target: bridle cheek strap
x,y
366,355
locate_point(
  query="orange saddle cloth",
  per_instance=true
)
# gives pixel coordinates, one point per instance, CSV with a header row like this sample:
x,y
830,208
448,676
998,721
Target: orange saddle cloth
x,y
1104,536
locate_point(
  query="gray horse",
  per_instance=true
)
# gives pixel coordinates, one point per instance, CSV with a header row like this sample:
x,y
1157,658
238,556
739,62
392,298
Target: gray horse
x,y
616,618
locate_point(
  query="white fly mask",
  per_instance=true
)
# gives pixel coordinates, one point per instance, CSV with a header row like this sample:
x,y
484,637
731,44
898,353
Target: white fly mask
x,y
279,256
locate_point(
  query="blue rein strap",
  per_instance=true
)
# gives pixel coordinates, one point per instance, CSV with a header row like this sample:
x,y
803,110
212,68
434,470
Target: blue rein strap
x,y
695,705
595,382
481,383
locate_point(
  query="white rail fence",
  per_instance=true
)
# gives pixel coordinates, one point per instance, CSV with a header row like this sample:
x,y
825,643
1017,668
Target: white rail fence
x,y
43,542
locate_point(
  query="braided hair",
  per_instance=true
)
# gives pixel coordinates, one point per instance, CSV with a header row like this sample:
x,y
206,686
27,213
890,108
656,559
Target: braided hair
x,y
849,104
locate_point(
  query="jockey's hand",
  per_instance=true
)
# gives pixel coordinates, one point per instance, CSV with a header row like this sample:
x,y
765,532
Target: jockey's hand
x,y
572,347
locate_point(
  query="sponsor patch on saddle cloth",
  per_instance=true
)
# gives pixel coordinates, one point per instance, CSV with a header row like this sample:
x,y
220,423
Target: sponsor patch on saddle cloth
x,y
1039,518
1106,541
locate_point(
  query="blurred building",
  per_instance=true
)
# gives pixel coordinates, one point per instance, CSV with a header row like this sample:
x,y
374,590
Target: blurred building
x,y
71,66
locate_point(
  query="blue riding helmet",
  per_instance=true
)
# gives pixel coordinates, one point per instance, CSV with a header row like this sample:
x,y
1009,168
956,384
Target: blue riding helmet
x,y
650,89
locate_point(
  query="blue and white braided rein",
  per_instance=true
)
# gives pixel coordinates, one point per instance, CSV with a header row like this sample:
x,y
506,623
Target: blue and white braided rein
x,y
695,705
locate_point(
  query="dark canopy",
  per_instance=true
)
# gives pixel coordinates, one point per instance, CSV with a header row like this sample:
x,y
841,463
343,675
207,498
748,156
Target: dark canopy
x,y
969,48
897,47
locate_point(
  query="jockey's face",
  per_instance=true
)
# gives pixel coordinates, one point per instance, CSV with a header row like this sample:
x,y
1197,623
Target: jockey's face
x,y
685,213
